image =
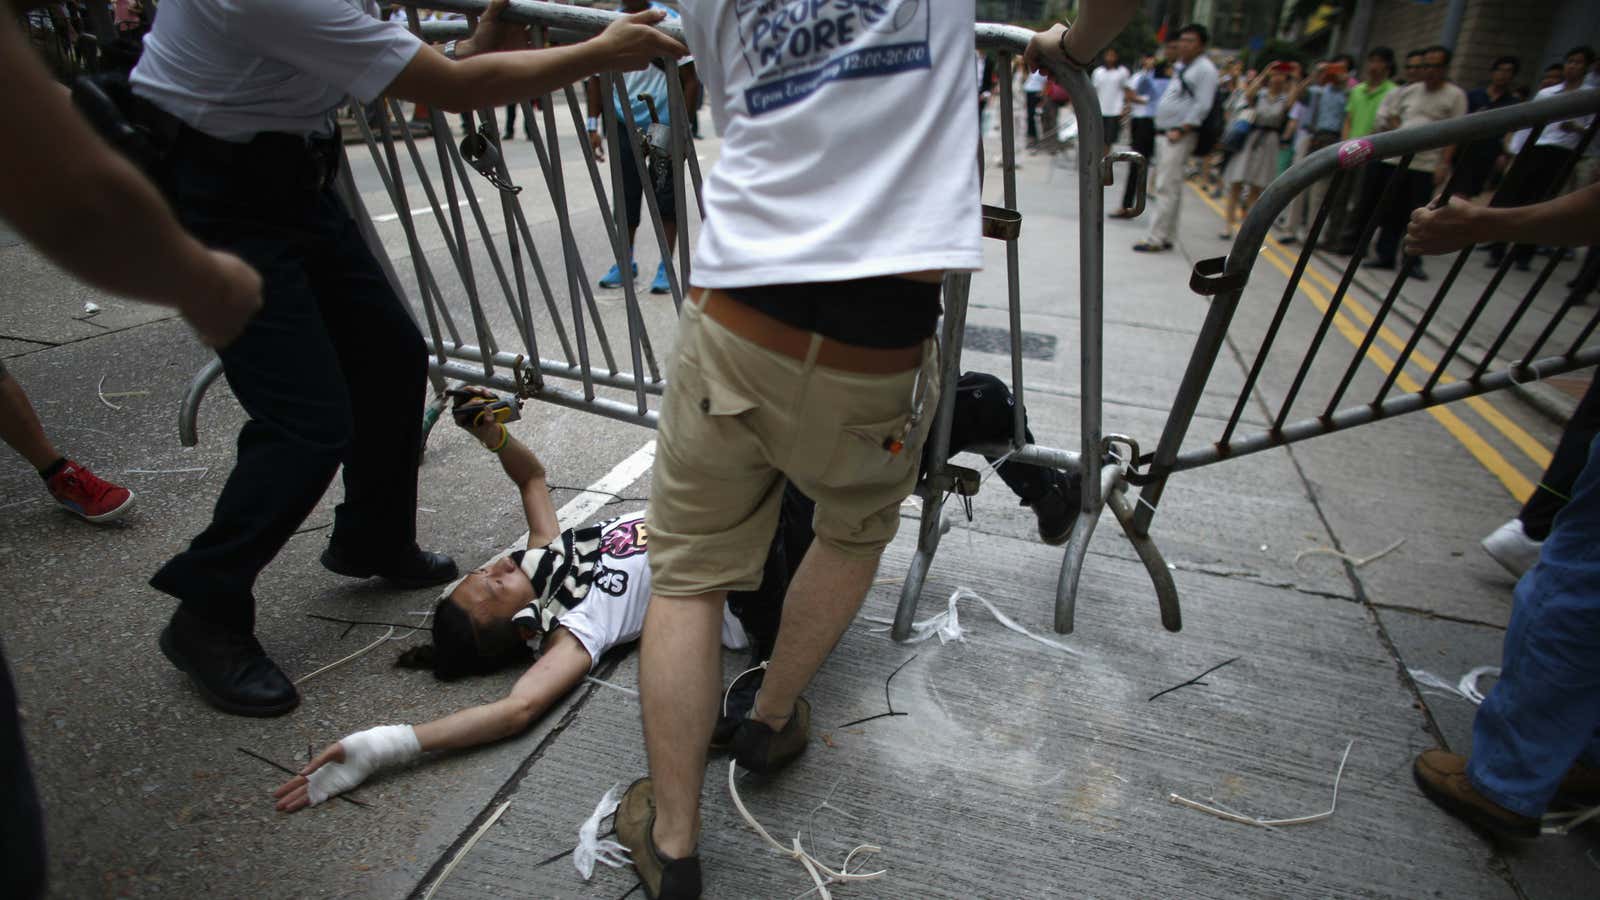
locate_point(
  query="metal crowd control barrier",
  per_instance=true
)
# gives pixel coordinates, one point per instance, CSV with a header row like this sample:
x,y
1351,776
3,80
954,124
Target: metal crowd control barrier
x,y
1225,281
557,326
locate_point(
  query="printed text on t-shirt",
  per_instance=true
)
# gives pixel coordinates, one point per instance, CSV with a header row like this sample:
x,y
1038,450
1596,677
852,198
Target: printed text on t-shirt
x,y
795,47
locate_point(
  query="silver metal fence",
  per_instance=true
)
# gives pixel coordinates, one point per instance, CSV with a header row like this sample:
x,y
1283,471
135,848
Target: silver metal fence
x,y
1454,376
560,346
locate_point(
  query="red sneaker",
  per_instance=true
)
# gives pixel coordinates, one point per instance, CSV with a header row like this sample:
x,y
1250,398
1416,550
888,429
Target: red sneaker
x,y
88,495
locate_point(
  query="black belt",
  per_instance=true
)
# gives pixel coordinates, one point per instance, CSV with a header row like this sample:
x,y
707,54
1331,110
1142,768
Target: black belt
x,y
278,158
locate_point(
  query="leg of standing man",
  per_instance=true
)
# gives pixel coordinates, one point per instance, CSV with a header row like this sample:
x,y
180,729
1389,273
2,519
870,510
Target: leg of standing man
x,y
1170,158
317,396
1537,734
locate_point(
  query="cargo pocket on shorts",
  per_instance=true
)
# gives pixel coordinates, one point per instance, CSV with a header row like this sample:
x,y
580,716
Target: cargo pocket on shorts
x,y
861,455
701,421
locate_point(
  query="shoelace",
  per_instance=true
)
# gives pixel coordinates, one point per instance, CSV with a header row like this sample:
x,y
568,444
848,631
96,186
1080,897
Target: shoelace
x,y
85,481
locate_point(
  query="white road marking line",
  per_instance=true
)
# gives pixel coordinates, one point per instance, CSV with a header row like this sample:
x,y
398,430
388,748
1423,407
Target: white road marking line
x,y
395,217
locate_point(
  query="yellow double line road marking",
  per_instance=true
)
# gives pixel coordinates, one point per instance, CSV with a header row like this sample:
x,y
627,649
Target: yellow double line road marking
x,y
1491,459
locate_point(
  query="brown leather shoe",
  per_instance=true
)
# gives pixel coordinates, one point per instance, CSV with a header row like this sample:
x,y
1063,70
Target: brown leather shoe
x,y
1442,776
664,878
1582,784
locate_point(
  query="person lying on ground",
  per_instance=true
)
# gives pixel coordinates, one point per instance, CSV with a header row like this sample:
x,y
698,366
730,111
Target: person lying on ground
x,y
574,595
578,593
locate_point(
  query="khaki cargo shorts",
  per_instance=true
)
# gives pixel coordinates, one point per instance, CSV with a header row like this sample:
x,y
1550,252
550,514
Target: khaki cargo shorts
x,y
737,419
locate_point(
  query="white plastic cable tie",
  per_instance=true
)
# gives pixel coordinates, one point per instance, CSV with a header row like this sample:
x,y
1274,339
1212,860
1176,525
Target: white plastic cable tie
x,y
615,687
1427,679
797,852
1356,561
1469,683
1511,372
729,691
1272,823
947,625
465,849
591,847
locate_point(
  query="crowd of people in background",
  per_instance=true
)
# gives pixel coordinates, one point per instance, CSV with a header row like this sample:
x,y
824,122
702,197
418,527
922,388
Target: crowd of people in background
x,y
1280,113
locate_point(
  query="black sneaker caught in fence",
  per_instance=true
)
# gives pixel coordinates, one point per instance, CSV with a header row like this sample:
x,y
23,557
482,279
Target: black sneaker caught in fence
x,y
1057,512
663,878
764,751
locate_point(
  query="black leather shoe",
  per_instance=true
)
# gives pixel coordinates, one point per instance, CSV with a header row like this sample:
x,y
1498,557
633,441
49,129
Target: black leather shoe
x,y
413,568
229,669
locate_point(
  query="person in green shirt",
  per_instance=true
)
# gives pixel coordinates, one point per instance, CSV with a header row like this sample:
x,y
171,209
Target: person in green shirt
x,y
1360,117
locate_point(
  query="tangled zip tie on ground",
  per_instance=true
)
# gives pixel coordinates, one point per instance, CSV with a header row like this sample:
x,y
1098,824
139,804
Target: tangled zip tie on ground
x,y
1271,823
1565,822
947,625
388,635
465,849
1357,561
813,867
591,847
1466,688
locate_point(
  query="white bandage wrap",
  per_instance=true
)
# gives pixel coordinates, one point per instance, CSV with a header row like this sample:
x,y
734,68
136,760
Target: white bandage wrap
x,y
365,752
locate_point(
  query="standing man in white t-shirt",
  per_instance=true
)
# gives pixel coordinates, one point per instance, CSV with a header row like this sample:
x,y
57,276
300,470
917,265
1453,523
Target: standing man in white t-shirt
x,y
1182,109
845,190
333,370
1110,85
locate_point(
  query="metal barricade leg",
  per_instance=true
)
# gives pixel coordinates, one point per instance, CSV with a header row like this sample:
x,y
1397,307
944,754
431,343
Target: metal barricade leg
x,y
189,409
937,479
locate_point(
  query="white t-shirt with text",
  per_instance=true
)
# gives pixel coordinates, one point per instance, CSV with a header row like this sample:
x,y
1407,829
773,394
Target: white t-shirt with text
x,y
849,140
618,592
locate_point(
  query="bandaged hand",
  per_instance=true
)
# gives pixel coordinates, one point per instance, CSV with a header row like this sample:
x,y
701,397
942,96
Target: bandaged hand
x,y
347,764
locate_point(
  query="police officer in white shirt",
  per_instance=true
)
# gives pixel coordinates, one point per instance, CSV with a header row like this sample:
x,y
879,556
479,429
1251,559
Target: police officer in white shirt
x,y
333,370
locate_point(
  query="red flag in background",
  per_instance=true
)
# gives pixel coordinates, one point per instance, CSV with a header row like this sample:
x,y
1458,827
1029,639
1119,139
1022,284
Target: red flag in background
x,y
1161,34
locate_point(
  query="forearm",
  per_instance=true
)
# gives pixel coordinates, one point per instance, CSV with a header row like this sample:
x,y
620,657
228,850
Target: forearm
x,y
476,726
591,92
1099,21
494,79
1571,220
520,463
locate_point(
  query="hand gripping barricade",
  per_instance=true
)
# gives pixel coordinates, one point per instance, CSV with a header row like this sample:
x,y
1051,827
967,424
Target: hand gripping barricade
x,y
1491,339
440,238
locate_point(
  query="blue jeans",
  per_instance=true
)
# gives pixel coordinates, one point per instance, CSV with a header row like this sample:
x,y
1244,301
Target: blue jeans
x,y
1543,714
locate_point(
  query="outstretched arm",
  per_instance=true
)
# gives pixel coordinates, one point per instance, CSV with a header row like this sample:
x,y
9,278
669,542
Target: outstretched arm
x,y
494,79
348,763
1571,220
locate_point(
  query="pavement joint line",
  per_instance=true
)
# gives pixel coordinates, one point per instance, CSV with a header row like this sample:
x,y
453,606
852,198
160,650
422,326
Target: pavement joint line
x,y
1497,860
1430,614
1517,484
512,785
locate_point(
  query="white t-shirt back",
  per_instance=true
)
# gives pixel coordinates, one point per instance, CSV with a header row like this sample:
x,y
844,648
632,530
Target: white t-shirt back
x,y
850,141
612,612
235,68
1108,85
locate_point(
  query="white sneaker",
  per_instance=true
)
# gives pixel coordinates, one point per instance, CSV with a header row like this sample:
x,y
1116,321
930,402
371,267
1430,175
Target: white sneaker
x,y
1511,547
